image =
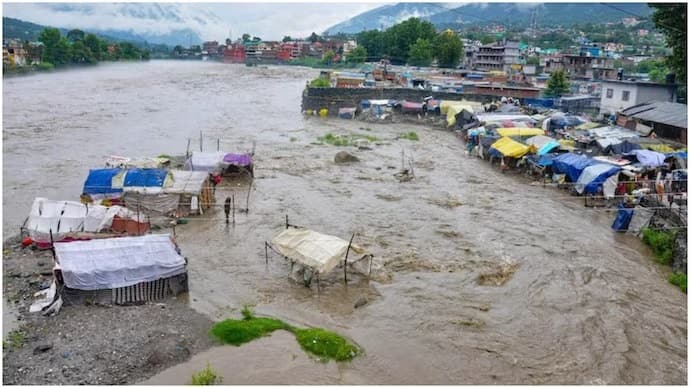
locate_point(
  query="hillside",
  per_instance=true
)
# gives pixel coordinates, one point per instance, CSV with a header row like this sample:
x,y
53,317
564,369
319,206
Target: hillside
x,y
449,15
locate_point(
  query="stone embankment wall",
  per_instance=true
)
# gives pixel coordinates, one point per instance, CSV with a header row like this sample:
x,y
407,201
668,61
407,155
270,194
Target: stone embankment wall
x,y
336,98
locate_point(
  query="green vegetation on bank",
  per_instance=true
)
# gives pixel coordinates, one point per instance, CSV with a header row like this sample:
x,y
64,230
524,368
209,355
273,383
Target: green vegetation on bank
x,y
318,342
661,242
206,376
679,279
410,136
344,140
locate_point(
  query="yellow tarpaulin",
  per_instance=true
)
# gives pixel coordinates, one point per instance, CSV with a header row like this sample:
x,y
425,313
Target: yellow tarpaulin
x,y
510,148
567,144
520,131
663,148
589,125
445,104
453,110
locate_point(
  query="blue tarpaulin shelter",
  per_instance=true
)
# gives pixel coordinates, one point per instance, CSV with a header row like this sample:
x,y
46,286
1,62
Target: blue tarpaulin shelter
x,y
592,177
145,177
100,181
648,158
571,165
622,221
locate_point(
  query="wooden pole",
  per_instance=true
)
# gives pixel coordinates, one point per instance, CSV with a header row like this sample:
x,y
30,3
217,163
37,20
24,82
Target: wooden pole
x,y
249,192
233,208
346,254
201,141
218,145
266,251
287,224
138,229
52,246
187,153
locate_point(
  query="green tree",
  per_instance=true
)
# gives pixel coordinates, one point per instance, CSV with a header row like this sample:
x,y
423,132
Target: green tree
x,y
50,38
286,38
94,45
357,55
557,85
533,61
246,37
671,20
449,49
421,53
314,38
328,57
401,36
75,35
373,42
79,53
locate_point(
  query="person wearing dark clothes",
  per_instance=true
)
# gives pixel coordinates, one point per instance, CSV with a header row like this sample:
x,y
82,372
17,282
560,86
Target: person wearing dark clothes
x,y
228,204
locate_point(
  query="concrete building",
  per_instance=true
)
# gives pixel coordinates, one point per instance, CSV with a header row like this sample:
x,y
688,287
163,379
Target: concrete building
x,y
589,67
497,56
618,95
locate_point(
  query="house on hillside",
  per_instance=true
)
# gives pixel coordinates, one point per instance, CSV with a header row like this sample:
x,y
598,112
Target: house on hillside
x,y
617,95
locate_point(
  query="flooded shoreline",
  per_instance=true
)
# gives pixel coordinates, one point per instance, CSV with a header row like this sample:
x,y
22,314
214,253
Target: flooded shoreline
x,y
583,305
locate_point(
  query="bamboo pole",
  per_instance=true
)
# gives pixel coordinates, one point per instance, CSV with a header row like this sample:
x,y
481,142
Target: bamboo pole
x,y
346,254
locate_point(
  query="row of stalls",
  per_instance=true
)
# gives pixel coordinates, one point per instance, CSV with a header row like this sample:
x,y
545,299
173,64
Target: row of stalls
x,y
102,246
608,164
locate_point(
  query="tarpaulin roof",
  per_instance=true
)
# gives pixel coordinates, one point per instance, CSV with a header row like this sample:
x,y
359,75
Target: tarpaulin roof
x,y
588,125
594,176
186,182
663,112
239,159
544,144
498,117
205,161
510,148
64,217
118,262
648,158
613,132
571,165
411,106
145,177
453,110
446,104
99,181
524,131
321,252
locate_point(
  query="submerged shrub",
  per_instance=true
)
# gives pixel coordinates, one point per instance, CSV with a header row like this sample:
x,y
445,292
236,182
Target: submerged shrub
x,y
326,344
206,376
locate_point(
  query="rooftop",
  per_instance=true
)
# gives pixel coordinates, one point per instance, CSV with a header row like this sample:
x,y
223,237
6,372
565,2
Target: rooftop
x,y
669,113
643,83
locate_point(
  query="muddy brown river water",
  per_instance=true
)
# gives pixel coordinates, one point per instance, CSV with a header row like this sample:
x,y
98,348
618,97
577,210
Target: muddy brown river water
x,y
584,306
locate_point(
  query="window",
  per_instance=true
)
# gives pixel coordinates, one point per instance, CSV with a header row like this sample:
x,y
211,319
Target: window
x,y
626,95
609,93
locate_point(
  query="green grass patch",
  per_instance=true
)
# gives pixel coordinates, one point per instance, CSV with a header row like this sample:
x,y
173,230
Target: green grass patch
x,y
344,140
326,344
320,83
238,332
206,376
410,136
661,243
679,279
319,342
15,339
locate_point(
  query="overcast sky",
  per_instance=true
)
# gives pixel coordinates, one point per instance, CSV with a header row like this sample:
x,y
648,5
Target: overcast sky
x,y
270,21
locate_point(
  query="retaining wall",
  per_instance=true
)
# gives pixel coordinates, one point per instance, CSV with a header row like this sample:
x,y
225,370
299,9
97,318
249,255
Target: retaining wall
x,y
336,98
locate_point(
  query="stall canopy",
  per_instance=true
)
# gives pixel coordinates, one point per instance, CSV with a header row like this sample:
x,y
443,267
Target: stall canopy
x,y
594,176
100,181
321,252
544,144
242,160
509,148
648,158
517,131
138,179
571,165
411,107
186,182
66,217
205,161
118,262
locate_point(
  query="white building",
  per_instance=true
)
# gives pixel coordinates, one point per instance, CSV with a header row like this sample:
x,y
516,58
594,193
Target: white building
x,y
618,95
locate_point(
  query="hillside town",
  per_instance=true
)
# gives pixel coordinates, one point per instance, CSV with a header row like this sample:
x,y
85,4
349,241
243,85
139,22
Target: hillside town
x,y
418,203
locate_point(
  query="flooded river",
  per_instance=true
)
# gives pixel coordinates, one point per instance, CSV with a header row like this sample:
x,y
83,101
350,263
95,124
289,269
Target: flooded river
x,y
585,305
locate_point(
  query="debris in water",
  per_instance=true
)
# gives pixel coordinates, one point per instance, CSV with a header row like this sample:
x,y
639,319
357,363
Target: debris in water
x,y
501,275
345,157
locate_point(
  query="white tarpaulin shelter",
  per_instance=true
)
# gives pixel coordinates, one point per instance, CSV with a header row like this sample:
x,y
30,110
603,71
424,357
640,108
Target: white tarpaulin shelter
x,y
65,217
118,262
186,182
321,252
206,161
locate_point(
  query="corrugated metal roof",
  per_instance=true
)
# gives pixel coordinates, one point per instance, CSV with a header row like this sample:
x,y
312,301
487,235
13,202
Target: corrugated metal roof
x,y
669,113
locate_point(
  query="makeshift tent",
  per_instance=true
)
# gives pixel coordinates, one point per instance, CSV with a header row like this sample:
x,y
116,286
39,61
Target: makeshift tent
x,y
457,105
544,144
411,107
146,180
205,161
524,131
499,117
319,252
68,219
588,125
648,158
621,148
508,147
594,176
194,190
560,120
237,163
118,262
571,165
99,184
347,113
463,117
622,221
125,162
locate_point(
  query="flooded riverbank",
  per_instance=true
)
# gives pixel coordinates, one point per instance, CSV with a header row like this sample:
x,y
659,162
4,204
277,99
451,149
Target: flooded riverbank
x,y
584,305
